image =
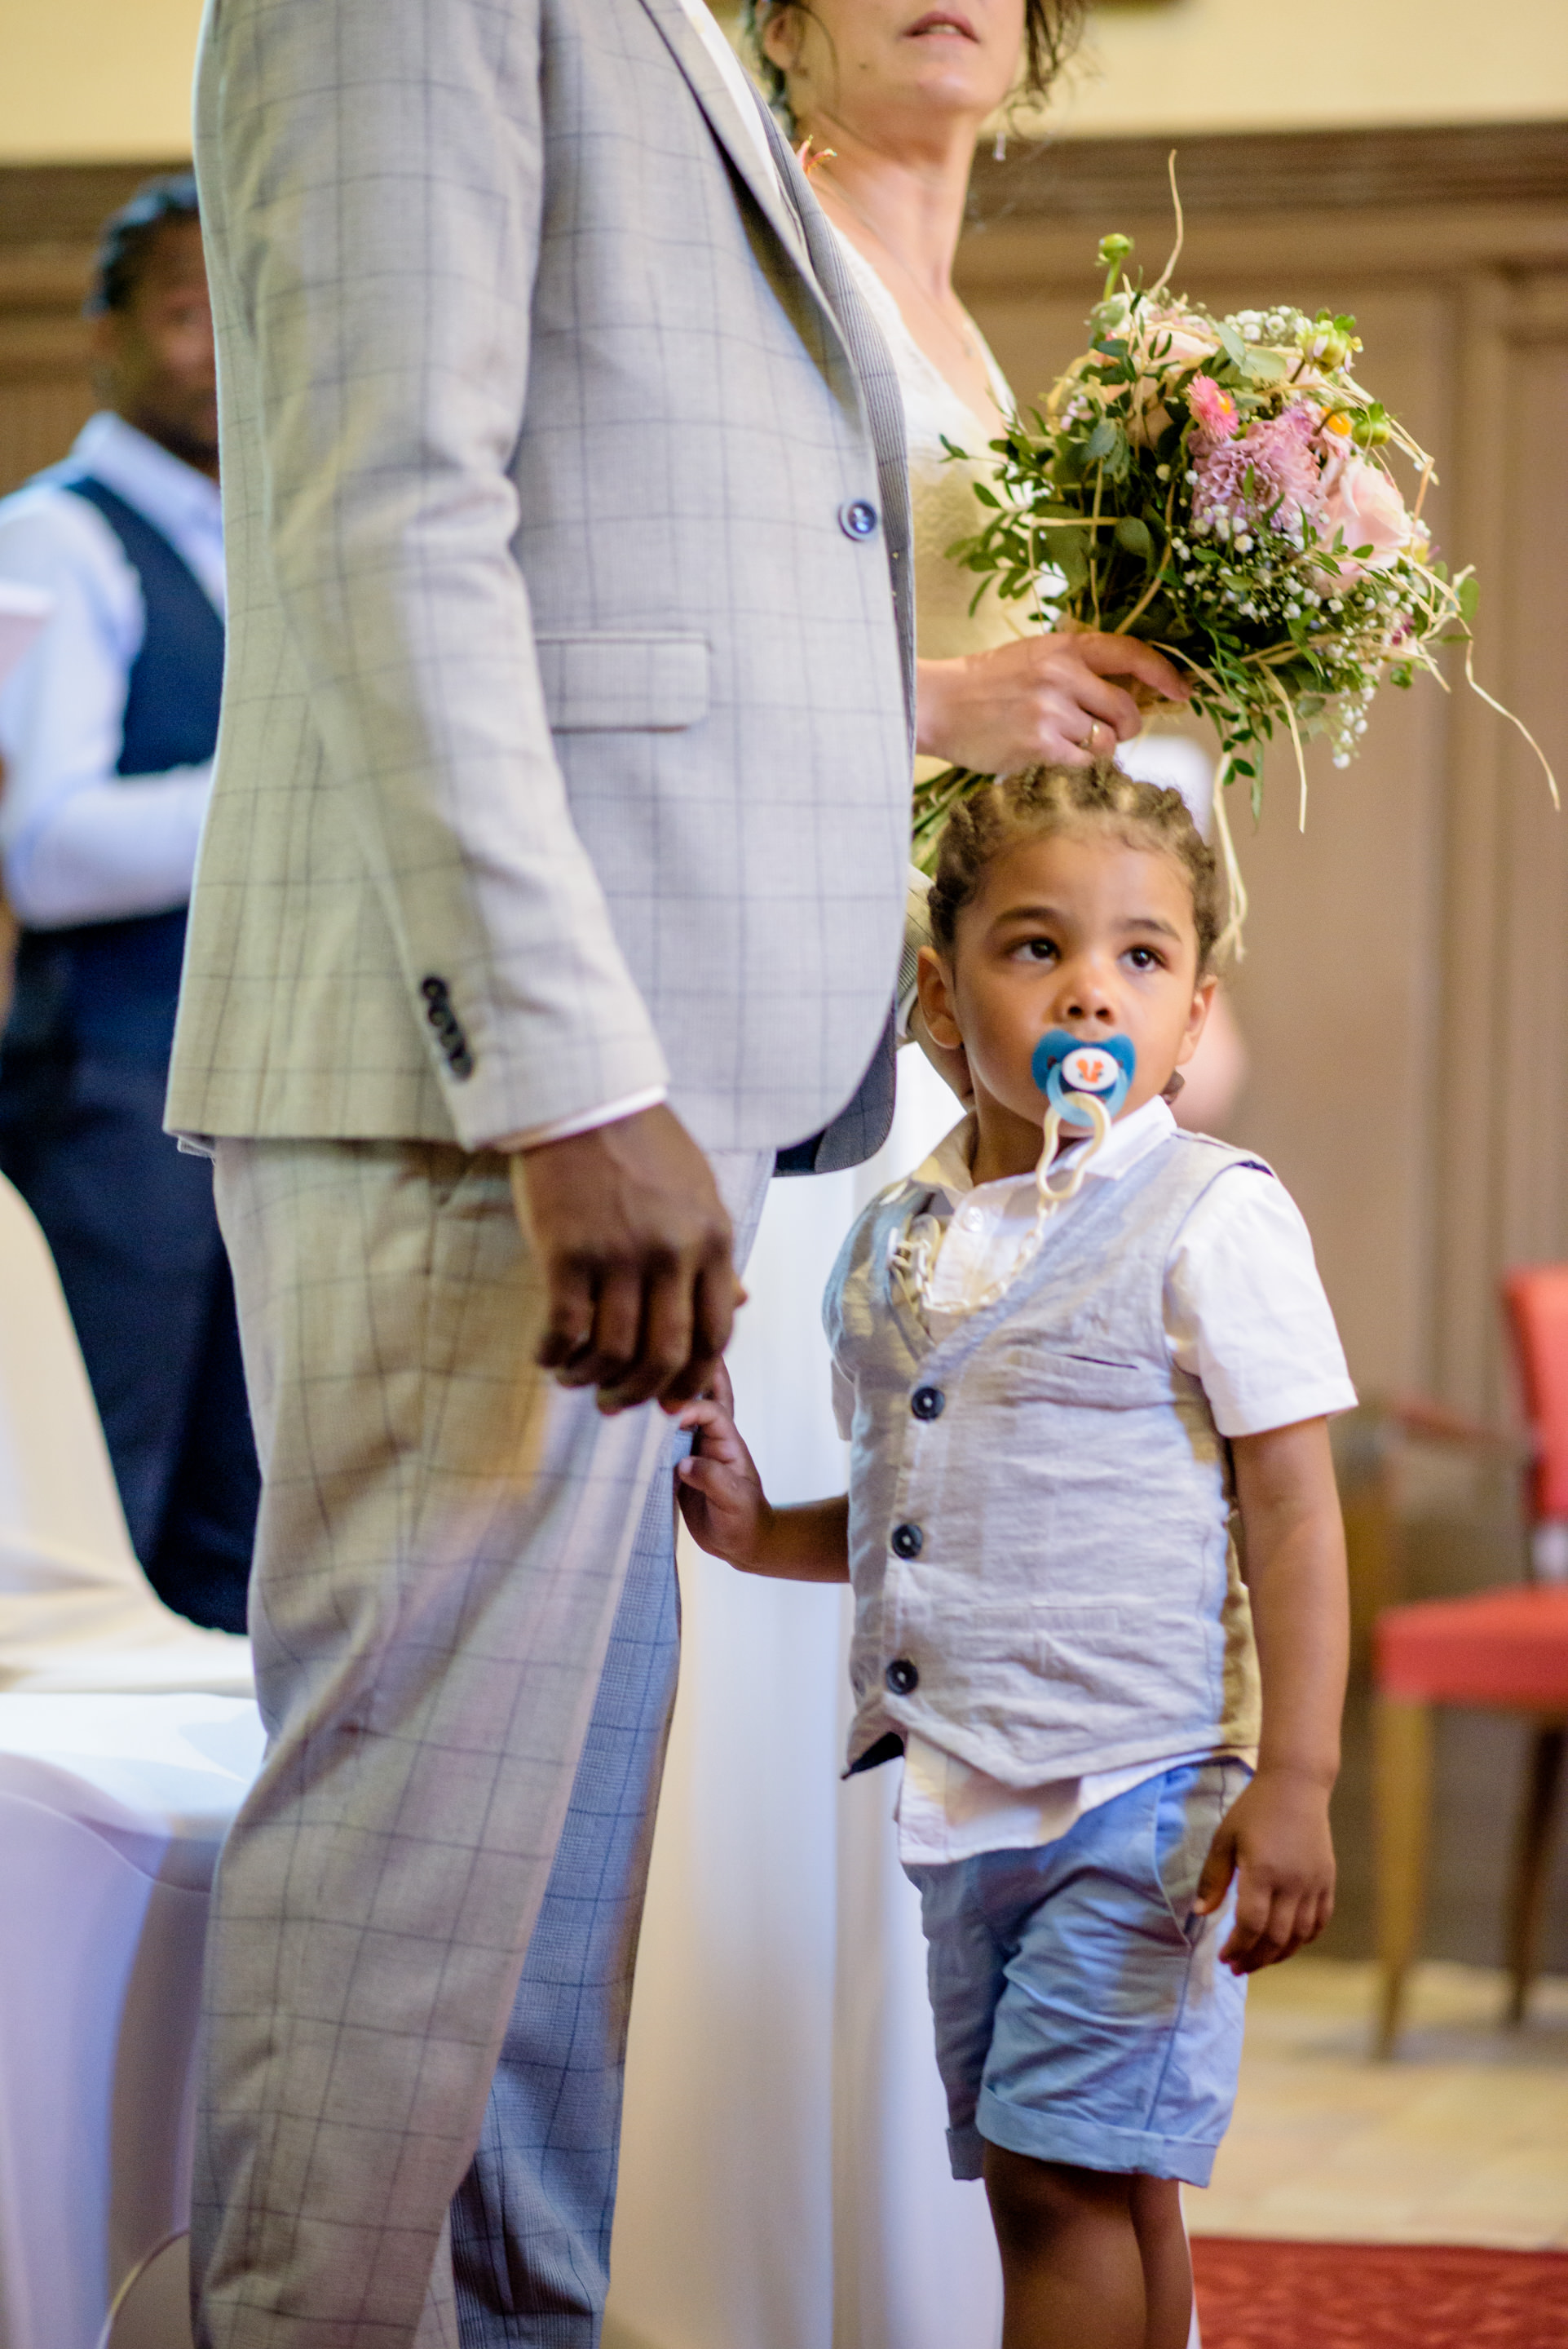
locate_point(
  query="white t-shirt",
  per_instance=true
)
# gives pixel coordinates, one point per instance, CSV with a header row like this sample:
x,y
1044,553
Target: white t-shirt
x,y
1245,1313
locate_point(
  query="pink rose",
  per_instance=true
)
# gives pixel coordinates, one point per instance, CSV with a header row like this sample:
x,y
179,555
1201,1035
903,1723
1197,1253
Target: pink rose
x,y
1362,501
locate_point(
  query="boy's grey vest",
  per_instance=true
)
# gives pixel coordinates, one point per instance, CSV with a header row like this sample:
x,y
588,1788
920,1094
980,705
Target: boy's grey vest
x,y
1040,1503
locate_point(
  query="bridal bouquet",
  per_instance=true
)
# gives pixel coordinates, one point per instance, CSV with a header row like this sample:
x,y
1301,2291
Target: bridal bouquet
x,y
1221,487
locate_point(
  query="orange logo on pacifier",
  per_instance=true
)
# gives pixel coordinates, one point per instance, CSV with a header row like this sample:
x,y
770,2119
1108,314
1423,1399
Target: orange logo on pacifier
x,y
1090,1070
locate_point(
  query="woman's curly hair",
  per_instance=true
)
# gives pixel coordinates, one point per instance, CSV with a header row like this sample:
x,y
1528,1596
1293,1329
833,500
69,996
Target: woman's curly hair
x,y
1051,30
1046,799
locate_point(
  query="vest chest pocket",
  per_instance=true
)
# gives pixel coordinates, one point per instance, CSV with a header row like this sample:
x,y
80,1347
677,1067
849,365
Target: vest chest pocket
x,y
624,682
1051,1372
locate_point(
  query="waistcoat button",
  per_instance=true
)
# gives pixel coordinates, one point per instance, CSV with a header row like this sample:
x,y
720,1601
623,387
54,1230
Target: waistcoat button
x,y
927,1403
903,1677
857,518
908,1541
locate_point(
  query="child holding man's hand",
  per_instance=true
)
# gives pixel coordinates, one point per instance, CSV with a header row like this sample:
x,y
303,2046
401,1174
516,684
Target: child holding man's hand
x,y
1119,1740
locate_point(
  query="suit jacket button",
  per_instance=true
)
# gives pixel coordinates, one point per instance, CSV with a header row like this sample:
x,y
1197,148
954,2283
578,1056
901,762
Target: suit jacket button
x,y
434,990
928,1402
903,1677
857,518
908,1541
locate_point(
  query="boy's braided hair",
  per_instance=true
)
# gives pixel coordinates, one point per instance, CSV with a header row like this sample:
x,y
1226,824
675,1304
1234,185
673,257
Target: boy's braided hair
x,y
1045,799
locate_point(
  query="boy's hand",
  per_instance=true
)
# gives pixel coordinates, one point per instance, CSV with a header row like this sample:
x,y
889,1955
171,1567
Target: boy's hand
x,y
1274,1840
717,1486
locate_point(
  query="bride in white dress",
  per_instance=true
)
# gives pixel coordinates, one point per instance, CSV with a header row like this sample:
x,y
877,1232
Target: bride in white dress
x,y
784,2179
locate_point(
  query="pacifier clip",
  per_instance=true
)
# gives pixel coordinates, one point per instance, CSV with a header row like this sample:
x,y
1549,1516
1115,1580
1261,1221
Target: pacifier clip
x,y
1084,1086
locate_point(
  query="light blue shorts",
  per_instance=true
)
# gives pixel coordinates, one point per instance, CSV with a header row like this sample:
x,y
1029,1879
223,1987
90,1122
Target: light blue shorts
x,y
1082,2015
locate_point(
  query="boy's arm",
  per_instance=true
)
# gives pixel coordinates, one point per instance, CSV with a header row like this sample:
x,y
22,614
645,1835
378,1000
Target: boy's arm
x,y
1275,1838
728,1514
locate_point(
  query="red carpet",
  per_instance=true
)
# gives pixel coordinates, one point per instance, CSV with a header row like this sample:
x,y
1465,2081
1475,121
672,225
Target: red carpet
x,y
1260,2295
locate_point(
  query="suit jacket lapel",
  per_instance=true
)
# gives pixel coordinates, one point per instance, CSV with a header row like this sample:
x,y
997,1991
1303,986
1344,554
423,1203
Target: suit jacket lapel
x,y
713,96
881,391
796,217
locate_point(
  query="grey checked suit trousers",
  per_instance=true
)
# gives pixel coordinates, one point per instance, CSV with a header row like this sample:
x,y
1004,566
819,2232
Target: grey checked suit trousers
x,y
450,1548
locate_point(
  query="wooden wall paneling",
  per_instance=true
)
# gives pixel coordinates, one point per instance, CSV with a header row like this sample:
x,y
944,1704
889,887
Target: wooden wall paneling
x,y
1235,176
1531,644
1463,1273
46,389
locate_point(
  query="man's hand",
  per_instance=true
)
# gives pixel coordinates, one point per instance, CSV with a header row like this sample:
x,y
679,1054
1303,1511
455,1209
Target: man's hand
x,y
1274,1840
1042,700
635,1246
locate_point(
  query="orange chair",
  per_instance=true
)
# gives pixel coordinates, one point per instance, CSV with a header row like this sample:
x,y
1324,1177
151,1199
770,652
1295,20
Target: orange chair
x,y
1501,1650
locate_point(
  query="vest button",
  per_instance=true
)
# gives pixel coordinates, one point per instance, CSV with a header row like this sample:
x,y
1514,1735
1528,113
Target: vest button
x,y
908,1541
903,1677
927,1403
857,518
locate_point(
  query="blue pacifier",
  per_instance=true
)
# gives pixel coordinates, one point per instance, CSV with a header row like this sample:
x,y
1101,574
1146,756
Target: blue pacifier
x,y
1071,1074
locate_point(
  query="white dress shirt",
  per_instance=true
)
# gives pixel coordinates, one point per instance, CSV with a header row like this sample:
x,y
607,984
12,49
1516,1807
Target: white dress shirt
x,y
1245,1313
79,842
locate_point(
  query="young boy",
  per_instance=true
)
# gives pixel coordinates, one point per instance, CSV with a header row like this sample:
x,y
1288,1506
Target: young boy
x,y
1115,1800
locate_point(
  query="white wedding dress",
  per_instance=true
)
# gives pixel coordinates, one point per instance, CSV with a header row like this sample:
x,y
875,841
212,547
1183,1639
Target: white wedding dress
x,y
784,2177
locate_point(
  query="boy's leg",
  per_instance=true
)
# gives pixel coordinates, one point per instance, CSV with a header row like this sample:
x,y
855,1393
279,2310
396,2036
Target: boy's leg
x,y
1090,2259
1071,2272
1111,2037
1162,2232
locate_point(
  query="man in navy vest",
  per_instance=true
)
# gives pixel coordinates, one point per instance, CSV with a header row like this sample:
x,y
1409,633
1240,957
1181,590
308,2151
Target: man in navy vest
x,y
107,732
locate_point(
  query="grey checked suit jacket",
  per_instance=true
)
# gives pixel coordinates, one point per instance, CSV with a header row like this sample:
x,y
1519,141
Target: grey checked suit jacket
x,y
565,739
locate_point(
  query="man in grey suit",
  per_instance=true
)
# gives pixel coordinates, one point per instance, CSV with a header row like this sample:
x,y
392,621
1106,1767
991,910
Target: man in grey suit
x,y
551,884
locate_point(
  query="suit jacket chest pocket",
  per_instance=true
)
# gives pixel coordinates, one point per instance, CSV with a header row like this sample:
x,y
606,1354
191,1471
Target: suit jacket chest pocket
x,y
624,681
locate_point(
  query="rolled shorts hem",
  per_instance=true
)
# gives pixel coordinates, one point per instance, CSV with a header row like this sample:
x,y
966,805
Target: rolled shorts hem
x,y
1081,2145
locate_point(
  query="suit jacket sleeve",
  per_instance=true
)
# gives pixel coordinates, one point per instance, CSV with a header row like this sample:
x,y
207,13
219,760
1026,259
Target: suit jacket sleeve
x,y
377,166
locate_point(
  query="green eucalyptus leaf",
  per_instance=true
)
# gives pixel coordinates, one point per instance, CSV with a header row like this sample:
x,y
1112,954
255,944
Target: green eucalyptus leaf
x,y
1133,537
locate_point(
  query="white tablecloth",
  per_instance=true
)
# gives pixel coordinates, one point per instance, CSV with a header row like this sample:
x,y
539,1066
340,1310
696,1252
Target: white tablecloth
x,y
112,1808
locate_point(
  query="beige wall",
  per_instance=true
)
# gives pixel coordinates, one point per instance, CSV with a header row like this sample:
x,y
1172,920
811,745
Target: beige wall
x,y
85,80
93,80
1231,65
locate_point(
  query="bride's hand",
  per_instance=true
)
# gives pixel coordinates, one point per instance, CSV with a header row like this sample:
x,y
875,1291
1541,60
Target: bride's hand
x,y
1042,700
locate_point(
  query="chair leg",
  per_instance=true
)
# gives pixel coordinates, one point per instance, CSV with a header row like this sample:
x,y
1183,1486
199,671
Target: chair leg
x,y
1402,1782
1537,1816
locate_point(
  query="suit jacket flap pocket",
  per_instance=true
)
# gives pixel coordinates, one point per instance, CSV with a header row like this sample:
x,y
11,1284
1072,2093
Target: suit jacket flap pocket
x,y
624,682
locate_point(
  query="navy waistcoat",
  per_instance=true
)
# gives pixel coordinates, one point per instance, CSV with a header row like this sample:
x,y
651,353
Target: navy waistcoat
x,y
114,986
